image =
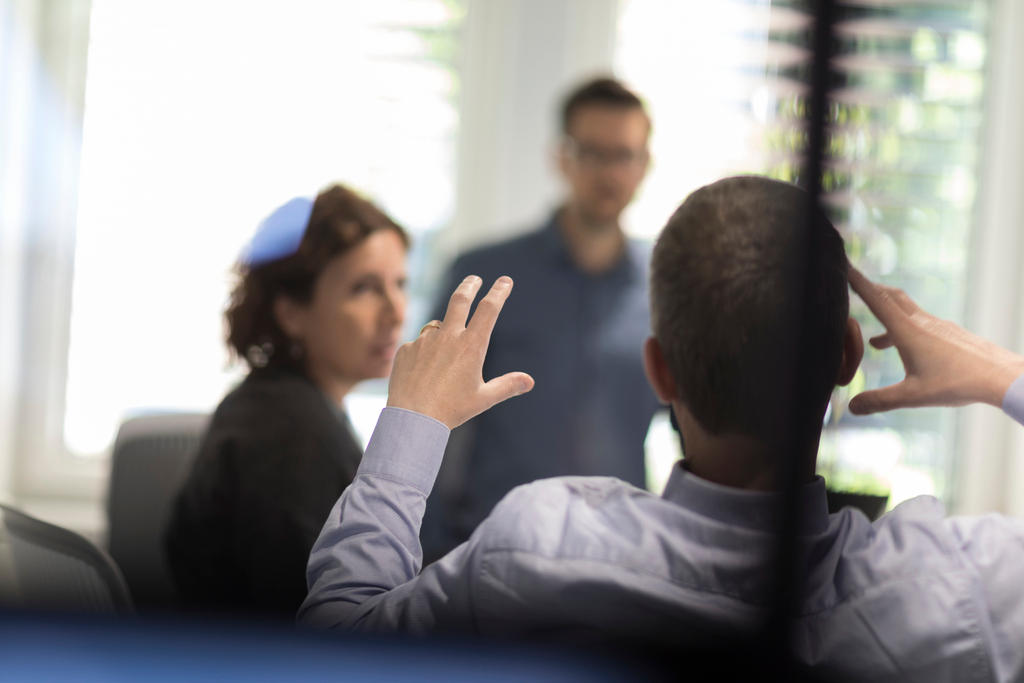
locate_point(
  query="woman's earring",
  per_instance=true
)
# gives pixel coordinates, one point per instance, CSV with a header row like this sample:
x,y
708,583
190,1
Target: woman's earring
x,y
259,354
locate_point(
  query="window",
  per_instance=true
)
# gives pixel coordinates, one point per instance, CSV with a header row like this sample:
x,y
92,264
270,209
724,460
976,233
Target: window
x,y
202,117
727,86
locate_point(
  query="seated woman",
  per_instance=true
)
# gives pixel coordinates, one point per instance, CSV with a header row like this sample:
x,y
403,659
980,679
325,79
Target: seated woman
x,y
318,307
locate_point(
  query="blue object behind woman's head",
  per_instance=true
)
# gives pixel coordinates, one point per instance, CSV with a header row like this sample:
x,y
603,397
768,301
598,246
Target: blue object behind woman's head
x,y
280,233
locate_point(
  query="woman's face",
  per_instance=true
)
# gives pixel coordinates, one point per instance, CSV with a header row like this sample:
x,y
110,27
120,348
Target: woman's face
x,y
350,329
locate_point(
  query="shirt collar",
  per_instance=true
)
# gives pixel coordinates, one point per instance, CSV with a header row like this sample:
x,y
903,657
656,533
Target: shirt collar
x,y
757,510
552,239
554,244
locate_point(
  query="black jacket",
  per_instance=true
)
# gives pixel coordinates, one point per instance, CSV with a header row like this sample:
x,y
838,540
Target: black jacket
x,y
274,460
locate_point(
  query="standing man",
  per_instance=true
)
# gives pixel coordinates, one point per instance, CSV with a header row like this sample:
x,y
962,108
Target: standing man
x,y
576,323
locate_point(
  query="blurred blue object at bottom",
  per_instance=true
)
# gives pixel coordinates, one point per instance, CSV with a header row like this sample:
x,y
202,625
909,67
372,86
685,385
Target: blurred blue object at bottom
x,y
81,649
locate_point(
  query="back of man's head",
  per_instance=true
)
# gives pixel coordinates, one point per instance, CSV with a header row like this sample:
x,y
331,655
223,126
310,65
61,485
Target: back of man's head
x,y
733,276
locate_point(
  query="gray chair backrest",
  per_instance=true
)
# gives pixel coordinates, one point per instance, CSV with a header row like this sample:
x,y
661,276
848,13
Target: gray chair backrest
x,y
151,457
43,566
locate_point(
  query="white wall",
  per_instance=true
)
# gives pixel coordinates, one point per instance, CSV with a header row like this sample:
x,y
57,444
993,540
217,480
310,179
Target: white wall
x,y
519,58
990,449
42,71
17,51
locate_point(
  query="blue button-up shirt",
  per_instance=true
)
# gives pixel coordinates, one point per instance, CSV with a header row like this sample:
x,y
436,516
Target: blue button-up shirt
x,y
913,596
580,336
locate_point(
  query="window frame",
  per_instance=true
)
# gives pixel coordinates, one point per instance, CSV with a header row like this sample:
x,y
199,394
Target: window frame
x,y
988,463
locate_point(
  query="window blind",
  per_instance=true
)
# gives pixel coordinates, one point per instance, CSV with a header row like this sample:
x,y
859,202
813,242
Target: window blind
x,y
727,83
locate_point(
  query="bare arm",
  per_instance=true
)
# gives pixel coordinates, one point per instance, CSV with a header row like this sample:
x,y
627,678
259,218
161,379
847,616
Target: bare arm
x,y
945,364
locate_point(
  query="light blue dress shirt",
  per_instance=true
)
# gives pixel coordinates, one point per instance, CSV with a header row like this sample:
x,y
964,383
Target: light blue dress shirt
x,y
914,596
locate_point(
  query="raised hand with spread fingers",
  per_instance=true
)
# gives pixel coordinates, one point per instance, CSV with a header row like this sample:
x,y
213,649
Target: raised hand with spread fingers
x,y
945,364
440,374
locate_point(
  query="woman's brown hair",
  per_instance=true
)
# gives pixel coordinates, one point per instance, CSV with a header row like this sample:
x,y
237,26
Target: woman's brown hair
x,y
340,219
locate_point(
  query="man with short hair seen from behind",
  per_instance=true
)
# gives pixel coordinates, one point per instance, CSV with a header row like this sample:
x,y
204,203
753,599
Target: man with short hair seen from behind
x,y
914,596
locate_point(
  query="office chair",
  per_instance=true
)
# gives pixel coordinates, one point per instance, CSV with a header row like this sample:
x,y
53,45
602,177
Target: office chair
x,y
46,567
151,457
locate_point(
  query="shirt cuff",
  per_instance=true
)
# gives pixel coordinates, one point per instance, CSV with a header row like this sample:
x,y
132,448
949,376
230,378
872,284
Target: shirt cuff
x,y
406,447
1013,400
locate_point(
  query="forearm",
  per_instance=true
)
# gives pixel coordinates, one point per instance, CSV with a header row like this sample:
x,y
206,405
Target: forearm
x,y
364,569
370,545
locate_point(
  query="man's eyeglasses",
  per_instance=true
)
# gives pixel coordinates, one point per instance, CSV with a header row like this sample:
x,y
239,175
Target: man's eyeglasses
x,y
593,156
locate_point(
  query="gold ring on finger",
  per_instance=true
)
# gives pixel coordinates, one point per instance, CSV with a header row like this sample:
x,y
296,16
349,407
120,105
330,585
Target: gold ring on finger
x,y
436,324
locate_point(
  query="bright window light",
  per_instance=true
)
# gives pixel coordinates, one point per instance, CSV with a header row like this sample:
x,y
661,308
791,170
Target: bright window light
x,y
200,118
